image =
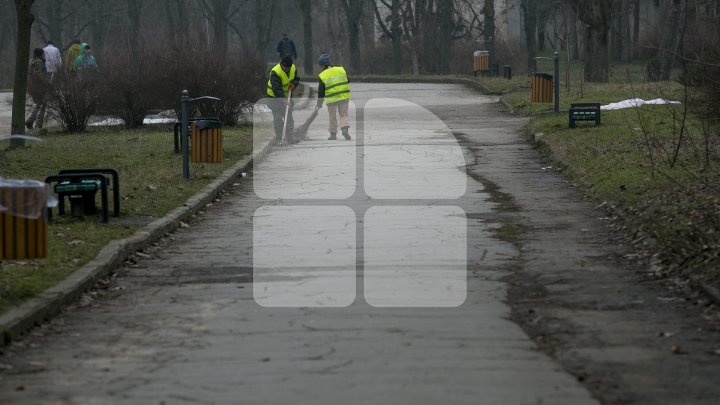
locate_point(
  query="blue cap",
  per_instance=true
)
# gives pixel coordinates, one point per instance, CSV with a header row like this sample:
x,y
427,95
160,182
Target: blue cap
x,y
324,60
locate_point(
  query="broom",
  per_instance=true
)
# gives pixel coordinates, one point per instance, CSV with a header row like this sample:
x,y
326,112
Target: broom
x,y
301,131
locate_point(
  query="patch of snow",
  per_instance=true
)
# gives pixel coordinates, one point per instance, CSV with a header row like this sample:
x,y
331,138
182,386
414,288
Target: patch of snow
x,y
636,102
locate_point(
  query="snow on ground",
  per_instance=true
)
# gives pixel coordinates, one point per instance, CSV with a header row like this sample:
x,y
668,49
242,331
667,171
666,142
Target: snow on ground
x,y
636,102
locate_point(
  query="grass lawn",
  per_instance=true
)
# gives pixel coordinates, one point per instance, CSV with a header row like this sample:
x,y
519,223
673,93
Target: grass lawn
x,y
151,185
657,167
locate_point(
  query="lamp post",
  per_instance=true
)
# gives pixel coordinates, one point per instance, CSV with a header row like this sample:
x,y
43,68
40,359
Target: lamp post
x,y
556,59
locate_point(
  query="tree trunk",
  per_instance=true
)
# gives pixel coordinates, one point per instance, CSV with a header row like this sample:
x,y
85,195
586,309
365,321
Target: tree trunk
x,y
396,31
489,27
529,10
220,10
572,32
636,27
25,19
263,25
134,9
353,12
660,67
596,15
306,13
444,38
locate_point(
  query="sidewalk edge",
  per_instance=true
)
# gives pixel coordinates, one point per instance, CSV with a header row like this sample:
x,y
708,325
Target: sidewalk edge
x,y
17,321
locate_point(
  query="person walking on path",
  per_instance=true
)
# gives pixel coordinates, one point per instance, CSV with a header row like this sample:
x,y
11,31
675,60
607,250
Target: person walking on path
x,y
283,79
286,47
334,89
37,88
72,53
53,59
85,60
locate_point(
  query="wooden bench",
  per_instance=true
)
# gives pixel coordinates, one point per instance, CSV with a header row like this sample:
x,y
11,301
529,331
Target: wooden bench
x,y
584,112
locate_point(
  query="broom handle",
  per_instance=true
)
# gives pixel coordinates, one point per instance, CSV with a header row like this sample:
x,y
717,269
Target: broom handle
x,y
287,111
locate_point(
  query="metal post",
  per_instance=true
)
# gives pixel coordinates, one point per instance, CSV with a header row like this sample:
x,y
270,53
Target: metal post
x,y
557,82
184,102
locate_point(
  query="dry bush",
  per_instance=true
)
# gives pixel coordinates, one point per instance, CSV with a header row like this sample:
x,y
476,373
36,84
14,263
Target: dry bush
x,y
73,98
128,85
237,80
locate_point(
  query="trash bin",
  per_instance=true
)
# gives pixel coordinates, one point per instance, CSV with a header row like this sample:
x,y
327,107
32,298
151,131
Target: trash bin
x,y
542,88
23,225
507,72
481,61
206,145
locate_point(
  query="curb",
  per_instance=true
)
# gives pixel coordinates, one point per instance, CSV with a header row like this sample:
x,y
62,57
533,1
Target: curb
x,y
17,321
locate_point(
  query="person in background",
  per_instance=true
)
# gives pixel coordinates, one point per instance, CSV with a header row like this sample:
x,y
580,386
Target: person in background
x,y
283,79
53,59
72,53
334,89
86,59
286,47
37,87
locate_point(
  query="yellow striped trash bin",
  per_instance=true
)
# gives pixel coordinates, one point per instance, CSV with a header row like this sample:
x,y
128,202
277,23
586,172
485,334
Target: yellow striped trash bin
x,y
23,224
542,88
206,144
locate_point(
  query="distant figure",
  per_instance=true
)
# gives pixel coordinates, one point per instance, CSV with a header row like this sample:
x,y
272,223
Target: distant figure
x,y
37,87
85,60
53,60
72,53
286,47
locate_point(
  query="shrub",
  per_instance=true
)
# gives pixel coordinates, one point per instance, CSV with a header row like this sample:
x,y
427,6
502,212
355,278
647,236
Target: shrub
x,y
73,98
236,80
128,88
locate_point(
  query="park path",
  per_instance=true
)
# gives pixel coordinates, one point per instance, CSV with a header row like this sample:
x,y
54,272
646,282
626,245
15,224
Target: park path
x,y
361,272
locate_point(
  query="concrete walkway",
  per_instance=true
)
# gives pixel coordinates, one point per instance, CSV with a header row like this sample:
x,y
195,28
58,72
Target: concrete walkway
x,y
360,272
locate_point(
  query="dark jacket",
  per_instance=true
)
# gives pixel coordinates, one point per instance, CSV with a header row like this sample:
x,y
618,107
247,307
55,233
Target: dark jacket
x,y
286,47
39,83
276,83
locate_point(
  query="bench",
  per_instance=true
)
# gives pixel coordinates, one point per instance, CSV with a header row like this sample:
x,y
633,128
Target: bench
x,y
584,112
81,186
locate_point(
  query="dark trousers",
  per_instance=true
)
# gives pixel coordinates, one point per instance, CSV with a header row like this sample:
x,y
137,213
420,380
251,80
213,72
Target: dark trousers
x,y
277,106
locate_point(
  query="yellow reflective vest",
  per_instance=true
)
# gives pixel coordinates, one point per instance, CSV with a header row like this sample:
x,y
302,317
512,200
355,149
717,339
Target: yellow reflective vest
x,y
336,84
286,79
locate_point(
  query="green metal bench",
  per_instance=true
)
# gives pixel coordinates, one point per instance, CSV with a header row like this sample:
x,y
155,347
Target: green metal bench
x,y
80,187
584,112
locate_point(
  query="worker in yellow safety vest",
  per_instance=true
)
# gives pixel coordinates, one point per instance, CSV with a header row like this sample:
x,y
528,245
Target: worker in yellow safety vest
x,y
283,79
334,89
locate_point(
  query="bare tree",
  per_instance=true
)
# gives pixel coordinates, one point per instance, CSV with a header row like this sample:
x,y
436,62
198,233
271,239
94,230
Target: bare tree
x,y
489,28
353,13
263,24
25,19
659,67
306,9
529,10
134,11
596,14
394,32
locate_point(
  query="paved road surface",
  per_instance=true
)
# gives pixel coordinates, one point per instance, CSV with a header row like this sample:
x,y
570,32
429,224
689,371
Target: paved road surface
x,y
360,272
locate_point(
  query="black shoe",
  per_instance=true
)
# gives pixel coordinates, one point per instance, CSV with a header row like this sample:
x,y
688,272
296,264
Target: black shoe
x,y
29,124
333,136
293,141
345,133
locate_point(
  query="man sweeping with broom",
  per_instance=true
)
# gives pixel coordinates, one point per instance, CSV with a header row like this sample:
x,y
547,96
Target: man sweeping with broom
x,y
282,82
334,89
